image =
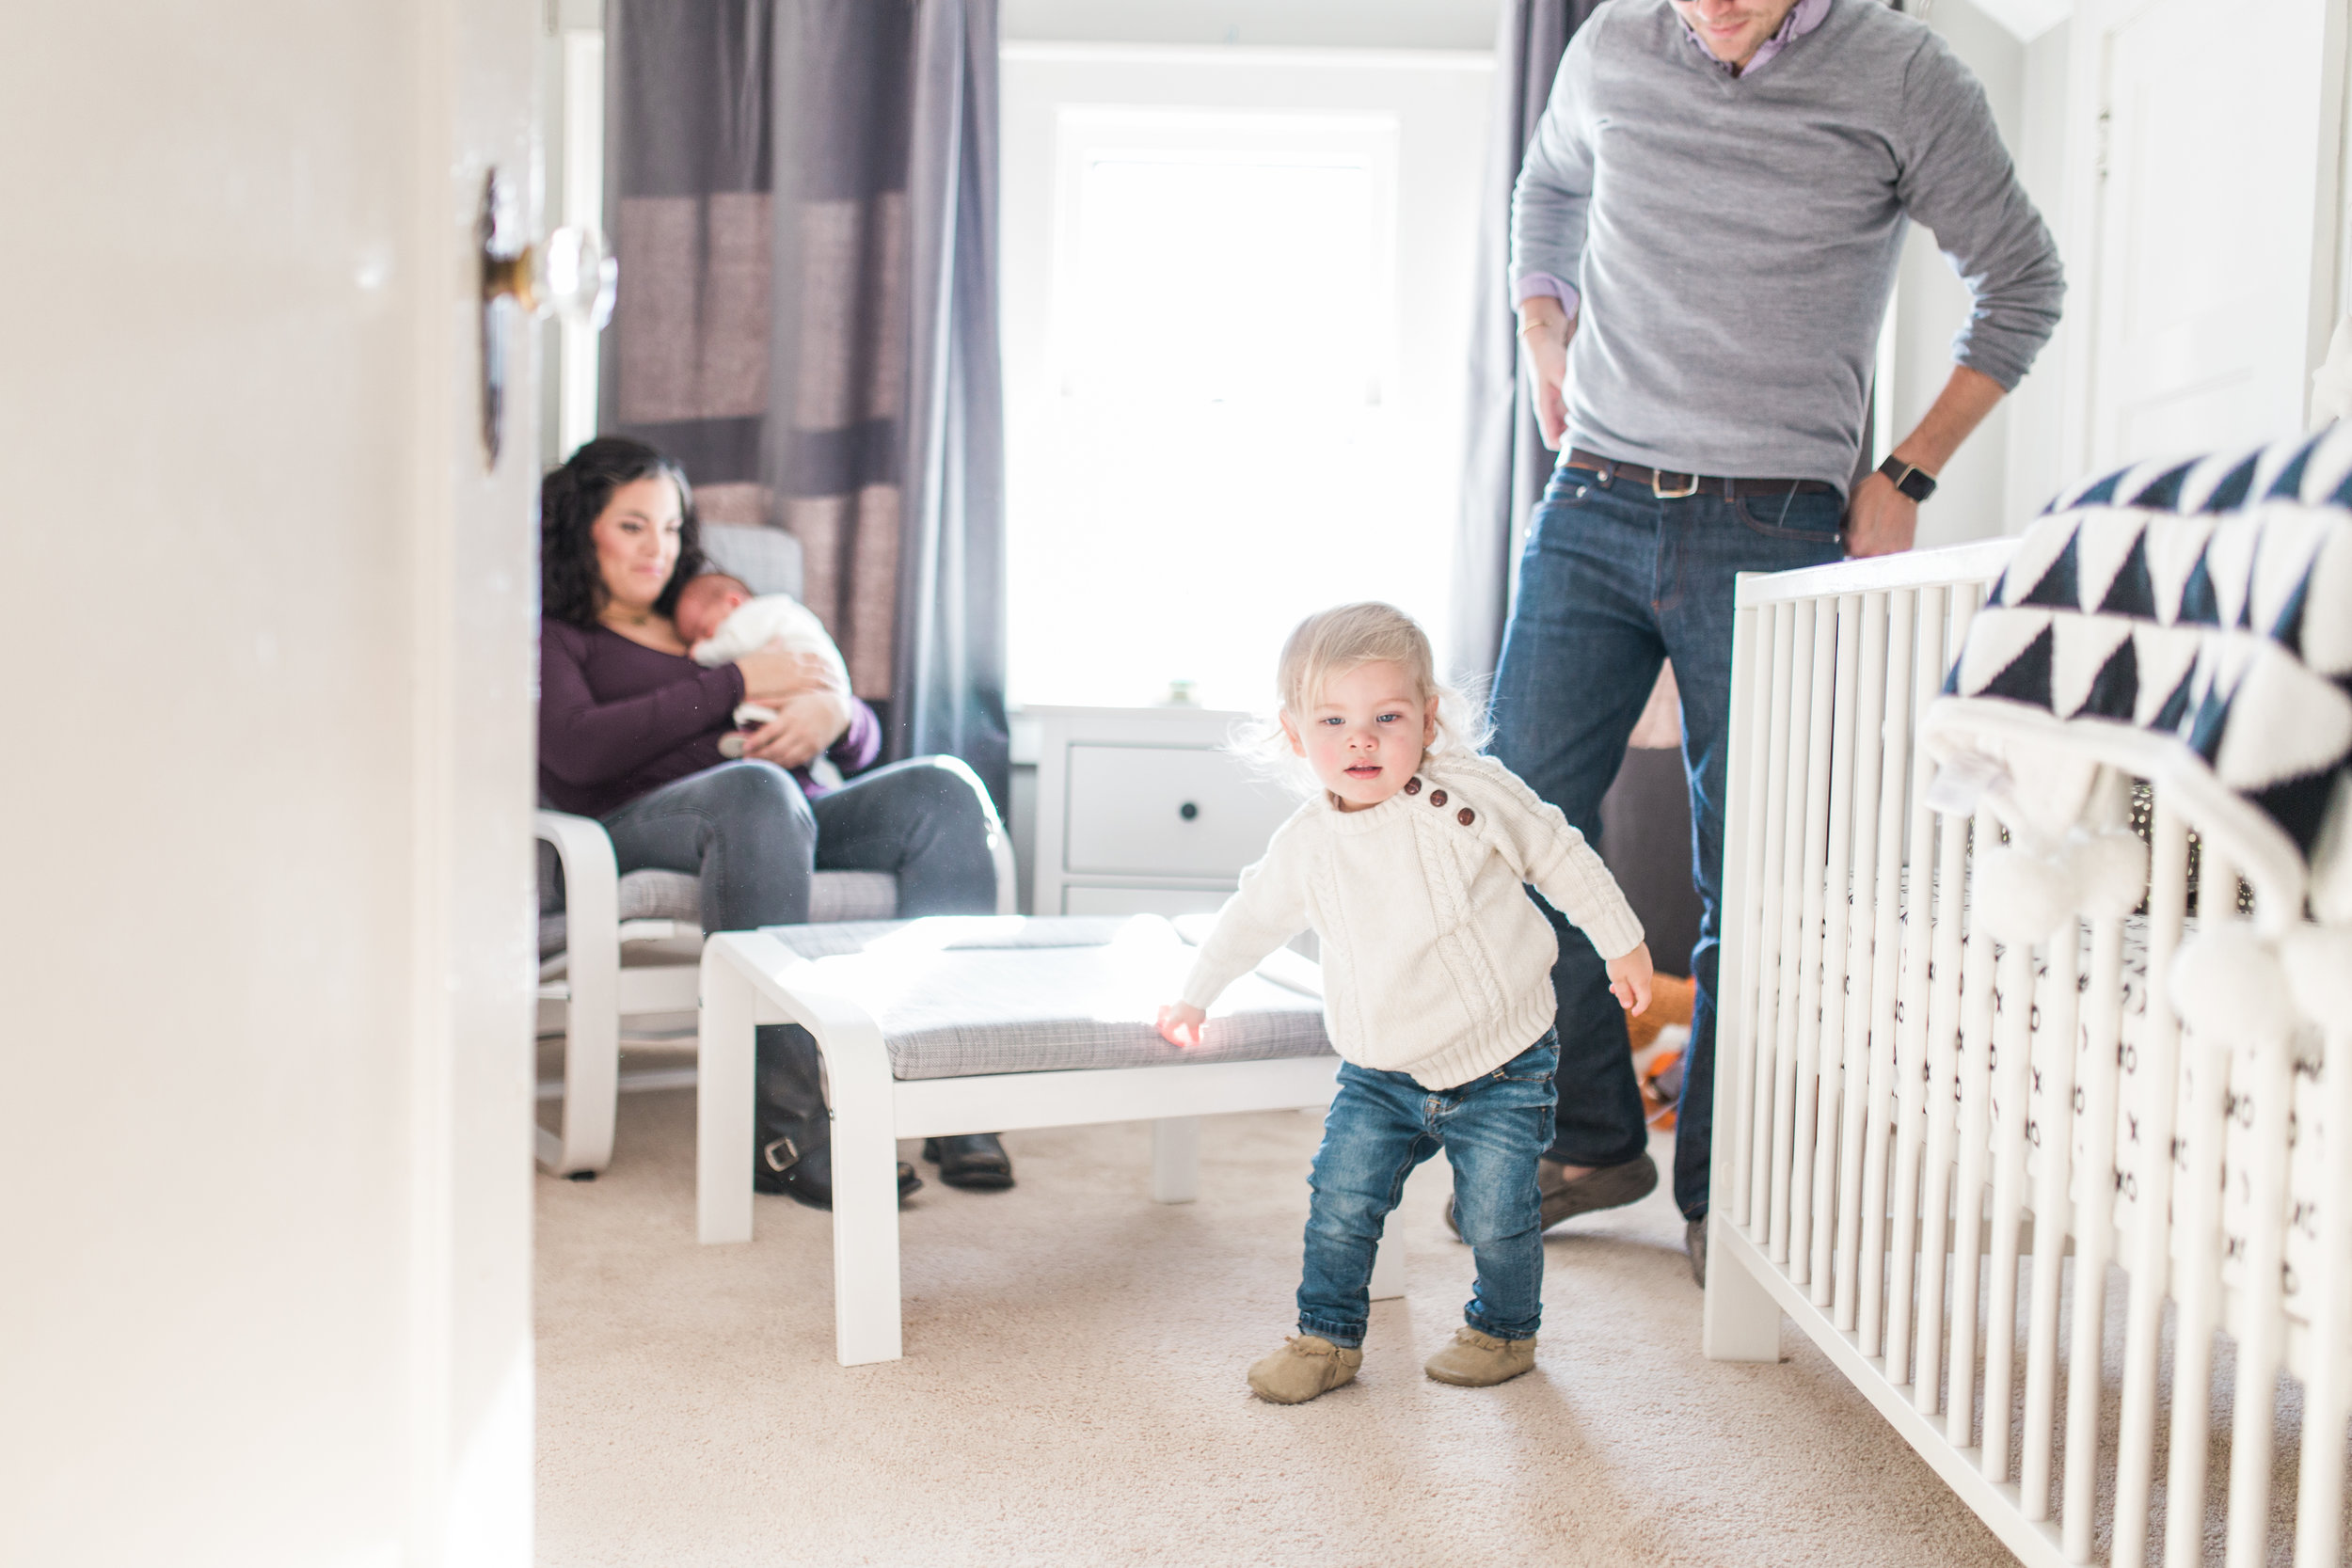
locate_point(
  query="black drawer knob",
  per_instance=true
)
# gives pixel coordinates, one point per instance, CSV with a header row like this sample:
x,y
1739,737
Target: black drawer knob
x,y
1187,811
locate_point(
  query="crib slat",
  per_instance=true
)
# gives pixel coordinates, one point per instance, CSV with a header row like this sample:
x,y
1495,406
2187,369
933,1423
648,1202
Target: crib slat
x,y
1769,925
2152,1260
1885,963
1912,1067
1818,811
2054,1056
1855,996
2012,1051
2197,1294
2197,1250
1800,865
2217,886
1943,1046
2328,1378
1972,1070
2094,1231
1944,1026
2262,1085
1823,1019
1743,874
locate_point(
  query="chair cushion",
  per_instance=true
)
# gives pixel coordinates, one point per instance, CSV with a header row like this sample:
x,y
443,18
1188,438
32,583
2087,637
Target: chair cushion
x,y
677,896
767,559
965,995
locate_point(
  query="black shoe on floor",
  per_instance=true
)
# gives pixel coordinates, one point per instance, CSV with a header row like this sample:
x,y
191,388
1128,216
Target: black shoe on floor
x,y
1609,1187
782,1171
1694,1243
974,1161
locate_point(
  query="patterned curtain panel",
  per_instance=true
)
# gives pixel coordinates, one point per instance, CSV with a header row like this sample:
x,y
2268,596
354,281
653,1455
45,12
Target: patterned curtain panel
x,y
805,197
690,160
1505,460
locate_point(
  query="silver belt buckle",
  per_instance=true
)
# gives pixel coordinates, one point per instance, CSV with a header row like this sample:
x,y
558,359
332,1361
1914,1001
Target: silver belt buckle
x,y
1664,495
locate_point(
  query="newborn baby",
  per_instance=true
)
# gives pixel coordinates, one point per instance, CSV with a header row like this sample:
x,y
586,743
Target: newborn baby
x,y
721,619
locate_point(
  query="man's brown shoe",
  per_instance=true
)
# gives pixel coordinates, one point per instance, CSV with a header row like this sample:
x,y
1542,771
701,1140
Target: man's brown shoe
x,y
1306,1366
1609,1187
1476,1360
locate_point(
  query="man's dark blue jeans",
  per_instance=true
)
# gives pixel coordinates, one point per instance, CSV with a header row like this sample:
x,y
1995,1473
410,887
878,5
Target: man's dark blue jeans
x,y
1614,581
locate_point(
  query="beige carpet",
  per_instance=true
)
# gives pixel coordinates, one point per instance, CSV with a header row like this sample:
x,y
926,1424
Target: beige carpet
x,y
1073,1393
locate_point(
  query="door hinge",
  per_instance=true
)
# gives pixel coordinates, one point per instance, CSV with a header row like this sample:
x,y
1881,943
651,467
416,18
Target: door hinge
x,y
2106,142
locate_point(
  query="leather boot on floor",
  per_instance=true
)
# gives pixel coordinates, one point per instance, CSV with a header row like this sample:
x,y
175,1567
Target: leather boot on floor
x,y
792,1154
1306,1366
1476,1360
974,1161
1608,1187
782,1171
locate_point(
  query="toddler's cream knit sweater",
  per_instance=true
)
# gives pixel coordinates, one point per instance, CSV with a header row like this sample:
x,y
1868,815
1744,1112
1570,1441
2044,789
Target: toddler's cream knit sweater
x,y
1435,961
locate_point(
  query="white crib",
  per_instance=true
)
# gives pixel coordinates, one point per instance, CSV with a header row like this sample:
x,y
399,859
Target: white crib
x,y
1886,1171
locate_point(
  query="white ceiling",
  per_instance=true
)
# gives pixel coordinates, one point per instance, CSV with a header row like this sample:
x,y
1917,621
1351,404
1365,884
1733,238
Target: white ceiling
x,y
1344,23
2027,19
1311,23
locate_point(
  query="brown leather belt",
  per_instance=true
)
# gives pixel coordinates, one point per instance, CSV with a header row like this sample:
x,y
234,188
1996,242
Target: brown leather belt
x,y
1672,486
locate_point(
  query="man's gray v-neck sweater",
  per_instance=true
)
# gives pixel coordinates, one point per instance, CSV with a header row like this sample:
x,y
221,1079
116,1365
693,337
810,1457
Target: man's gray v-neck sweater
x,y
1735,238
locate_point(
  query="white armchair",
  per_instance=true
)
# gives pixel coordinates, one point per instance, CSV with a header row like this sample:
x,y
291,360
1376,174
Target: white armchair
x,y
628,948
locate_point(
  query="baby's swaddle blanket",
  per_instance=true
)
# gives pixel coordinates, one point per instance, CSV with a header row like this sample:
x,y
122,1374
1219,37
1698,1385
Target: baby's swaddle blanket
x,y
754,624
2199,616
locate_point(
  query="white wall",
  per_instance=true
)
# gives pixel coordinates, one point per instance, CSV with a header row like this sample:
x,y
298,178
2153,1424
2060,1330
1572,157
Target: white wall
x,y
1972,498
2036,411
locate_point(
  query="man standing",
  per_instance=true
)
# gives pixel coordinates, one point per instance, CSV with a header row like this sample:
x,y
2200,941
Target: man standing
x,y
1703,238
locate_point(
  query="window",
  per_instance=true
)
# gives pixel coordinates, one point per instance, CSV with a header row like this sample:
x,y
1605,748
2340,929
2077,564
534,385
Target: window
x,y
1223,415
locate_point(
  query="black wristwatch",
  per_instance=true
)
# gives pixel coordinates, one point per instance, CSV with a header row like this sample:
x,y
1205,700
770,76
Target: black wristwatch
x,y
1916,482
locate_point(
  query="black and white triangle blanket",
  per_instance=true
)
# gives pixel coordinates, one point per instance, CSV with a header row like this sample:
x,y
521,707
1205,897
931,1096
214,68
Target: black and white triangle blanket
x,y
2187,621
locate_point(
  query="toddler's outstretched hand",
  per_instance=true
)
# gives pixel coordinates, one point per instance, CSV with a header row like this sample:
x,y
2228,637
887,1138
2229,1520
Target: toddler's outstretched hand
x,y
1180,1023
1628,979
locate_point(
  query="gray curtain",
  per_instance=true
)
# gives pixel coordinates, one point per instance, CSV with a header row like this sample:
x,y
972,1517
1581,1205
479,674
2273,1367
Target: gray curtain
x,y
804,207
1506,463
948,688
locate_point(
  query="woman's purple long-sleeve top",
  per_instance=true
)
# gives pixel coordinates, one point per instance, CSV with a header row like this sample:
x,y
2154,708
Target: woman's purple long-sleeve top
x,y
617,718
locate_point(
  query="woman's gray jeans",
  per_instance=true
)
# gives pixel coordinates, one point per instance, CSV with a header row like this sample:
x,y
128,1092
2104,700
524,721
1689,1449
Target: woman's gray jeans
x,y
746,830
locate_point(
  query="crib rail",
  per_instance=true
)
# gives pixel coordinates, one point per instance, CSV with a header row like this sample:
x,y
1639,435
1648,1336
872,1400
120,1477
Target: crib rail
x,y
2048,1231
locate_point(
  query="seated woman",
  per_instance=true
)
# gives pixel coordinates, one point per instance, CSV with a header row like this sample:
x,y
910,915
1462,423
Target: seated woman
x,y
628,733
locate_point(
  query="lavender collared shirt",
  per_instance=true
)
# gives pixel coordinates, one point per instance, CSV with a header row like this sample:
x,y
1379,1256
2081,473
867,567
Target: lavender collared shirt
x,y
1805,16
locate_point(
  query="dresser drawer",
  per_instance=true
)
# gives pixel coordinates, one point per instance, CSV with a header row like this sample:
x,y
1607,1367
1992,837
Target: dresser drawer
x,y
1164,810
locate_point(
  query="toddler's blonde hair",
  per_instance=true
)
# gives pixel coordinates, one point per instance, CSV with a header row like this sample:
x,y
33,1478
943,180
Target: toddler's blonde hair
x,y
1333,641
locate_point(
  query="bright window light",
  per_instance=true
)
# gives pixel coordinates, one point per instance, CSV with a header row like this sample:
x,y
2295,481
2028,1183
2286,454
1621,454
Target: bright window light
x,y
1214,450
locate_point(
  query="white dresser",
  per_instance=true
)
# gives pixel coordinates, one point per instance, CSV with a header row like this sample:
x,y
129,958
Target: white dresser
x,y
1142,811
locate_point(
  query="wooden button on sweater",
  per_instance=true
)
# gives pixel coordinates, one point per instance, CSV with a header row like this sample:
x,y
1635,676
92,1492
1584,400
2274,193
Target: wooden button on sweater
x,y
1412,786
1466,816
1436,797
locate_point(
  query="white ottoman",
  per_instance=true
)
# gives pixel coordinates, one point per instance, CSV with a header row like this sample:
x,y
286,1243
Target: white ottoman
x,y
983,1025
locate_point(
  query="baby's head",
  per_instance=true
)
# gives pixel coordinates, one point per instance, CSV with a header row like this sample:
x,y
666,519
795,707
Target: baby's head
x,y
1361,701
706,602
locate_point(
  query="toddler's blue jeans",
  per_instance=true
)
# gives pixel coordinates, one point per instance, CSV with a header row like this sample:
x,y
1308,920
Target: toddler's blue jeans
x,y
1383,1124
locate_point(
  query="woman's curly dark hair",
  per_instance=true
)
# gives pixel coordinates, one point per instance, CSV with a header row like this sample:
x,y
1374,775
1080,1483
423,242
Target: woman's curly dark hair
x,y
572,498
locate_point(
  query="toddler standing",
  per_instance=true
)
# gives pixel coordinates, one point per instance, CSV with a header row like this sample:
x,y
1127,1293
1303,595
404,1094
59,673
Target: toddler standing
x,y
1410,866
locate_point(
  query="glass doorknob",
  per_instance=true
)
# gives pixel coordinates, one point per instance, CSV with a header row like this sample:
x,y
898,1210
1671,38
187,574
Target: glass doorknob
x,y
572,274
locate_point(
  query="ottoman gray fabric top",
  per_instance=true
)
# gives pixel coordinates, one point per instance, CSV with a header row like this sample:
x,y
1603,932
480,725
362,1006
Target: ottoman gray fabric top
x,y
960,996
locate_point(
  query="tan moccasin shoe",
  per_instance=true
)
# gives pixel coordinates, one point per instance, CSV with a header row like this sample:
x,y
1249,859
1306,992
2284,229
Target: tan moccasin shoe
x,y
1307,1365
1476,1360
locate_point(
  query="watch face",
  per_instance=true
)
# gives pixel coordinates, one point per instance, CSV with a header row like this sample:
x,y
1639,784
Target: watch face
x,y
1910,481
